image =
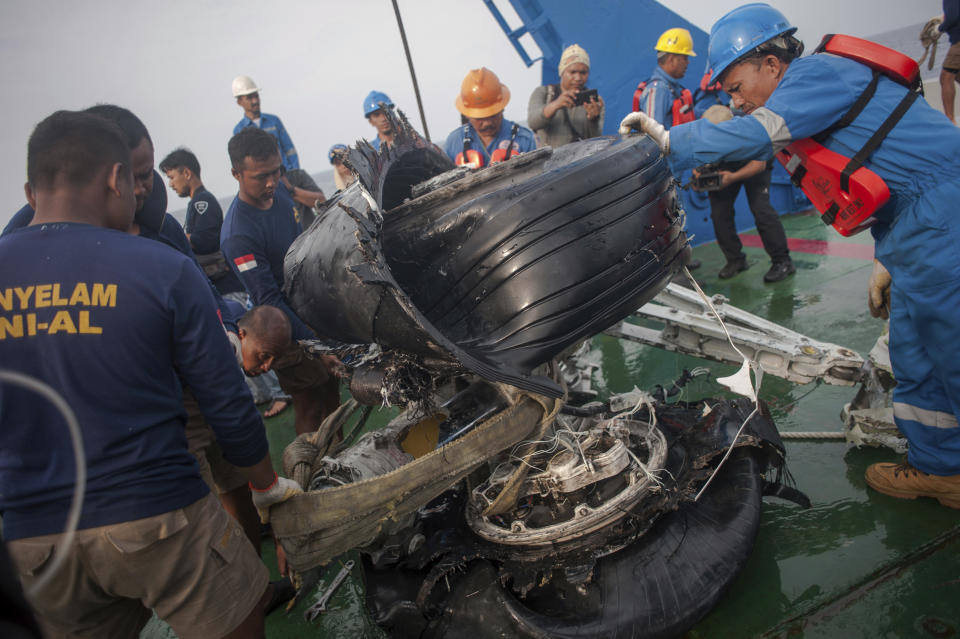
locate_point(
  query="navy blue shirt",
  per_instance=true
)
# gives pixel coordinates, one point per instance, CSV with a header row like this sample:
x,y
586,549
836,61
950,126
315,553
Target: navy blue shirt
x,y
20,219
203,223
204,219
255,243
951,20
116,342
169,233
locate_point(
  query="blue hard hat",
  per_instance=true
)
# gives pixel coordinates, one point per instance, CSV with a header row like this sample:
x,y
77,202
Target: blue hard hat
x,y
372,102
743,30
337,150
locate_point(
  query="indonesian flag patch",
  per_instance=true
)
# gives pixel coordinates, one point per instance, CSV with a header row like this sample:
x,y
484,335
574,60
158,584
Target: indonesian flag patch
x,y
245,262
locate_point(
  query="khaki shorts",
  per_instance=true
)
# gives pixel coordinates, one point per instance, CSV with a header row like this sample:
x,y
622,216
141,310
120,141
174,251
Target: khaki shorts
x,y
298,372
951,62
194,566
219,474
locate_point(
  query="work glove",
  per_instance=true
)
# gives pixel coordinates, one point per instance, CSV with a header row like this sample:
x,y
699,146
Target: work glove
x,y
642,122
879,291
280,490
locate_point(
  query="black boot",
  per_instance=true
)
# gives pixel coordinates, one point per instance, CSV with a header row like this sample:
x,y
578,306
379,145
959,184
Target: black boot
x,y
732,268
779,271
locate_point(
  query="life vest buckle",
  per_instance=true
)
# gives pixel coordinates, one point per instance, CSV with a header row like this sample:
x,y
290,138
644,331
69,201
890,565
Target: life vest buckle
x,y
470,158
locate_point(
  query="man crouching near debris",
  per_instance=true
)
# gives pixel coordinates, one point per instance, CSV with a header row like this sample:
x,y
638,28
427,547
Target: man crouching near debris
x,y
118,343
266,343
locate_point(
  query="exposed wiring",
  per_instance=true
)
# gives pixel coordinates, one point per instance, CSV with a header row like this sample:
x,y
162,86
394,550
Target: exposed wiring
x,y
756,386
703,488
79,457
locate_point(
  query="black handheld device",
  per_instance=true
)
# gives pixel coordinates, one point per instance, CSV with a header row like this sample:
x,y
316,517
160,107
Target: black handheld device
x,y
709,178
584,96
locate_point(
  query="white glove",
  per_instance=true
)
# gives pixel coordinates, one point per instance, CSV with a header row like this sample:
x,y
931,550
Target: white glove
x,y
280,490
879,291
642,122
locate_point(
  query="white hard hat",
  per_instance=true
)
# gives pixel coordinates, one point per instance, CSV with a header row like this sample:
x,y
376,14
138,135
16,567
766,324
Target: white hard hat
x,y
244,85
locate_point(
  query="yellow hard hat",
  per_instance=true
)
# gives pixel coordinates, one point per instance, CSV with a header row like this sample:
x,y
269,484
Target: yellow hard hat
x,y
482,94
676,40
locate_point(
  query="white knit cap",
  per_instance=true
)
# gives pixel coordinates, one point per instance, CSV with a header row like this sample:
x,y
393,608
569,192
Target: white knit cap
x,y
572,55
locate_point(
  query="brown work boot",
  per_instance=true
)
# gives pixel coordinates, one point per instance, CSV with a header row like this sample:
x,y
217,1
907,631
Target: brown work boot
x,y
906,482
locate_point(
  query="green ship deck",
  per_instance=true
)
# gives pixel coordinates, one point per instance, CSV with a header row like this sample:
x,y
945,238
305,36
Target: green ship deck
x,y
857,564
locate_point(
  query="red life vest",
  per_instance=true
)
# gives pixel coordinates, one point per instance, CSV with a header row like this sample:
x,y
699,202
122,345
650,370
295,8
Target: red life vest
x,y
682,109
474,159
846,193
706,85
470,158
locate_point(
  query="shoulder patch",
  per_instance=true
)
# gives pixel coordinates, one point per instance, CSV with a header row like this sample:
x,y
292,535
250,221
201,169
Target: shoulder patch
x,y
201,206
245,262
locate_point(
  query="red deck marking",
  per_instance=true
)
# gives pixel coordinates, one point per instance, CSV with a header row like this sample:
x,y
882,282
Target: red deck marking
x,y
817,247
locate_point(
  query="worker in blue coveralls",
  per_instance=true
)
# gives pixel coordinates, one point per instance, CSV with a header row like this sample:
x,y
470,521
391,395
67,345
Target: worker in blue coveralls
x,y
117,343
247,93
373,109
305,192
486,136
662,97
261,225
916,276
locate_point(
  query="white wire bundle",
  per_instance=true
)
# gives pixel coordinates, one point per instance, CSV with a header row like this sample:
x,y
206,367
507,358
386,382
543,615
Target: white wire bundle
x,y
76,438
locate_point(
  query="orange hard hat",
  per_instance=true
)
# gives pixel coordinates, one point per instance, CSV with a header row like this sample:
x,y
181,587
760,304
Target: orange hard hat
x,y
481,94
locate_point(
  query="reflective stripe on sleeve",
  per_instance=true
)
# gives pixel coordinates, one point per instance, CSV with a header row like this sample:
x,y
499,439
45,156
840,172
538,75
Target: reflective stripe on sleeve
x,y
932,418
651,108
775,126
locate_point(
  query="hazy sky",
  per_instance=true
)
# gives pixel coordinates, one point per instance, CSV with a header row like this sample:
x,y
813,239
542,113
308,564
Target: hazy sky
x,y
172,62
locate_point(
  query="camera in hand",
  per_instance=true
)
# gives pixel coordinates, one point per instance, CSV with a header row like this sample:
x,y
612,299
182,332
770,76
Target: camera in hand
x,y
584,96
708,178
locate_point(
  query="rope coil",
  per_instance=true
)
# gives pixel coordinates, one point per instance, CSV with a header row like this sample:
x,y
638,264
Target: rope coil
x,y
929,36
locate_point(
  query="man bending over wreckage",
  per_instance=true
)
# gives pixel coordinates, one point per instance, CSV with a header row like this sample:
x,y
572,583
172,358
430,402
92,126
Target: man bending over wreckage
x,y
266,343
